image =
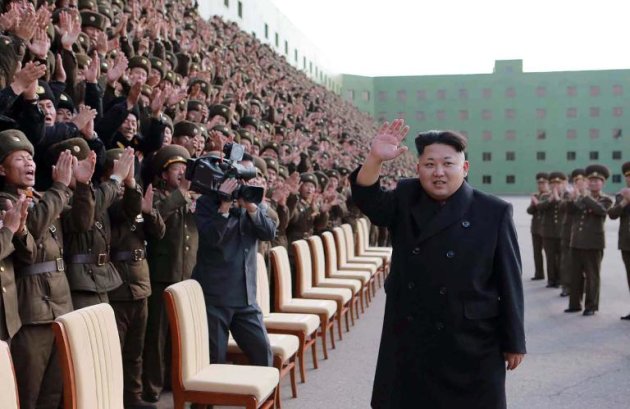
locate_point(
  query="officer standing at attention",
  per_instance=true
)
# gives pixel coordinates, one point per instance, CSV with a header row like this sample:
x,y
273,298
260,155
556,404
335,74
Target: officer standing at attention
x,y
542,181
549,206
567,215
621,210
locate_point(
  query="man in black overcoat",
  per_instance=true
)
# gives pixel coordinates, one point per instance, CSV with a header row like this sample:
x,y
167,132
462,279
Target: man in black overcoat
x,y
454,311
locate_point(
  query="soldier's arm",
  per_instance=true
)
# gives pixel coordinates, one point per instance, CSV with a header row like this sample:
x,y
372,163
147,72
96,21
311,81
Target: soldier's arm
x,y
598,207
80,217
94,98
320,221
132,202
283,217
6,242
25,247
617,209
171,203
47,209
154,224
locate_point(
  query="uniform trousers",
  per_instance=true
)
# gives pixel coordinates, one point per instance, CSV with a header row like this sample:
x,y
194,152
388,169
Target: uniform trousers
x,y
537,244
551,245
156,357
625,255
247,328
82,299
585,266
565,264
131,320
37,367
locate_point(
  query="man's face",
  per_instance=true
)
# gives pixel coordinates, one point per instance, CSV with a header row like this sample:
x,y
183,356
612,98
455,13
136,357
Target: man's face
x,y
558,186
92,32
50,113
216,120
595,185
129,127
579,183
271,175
255,150
441,170
270,152
199,144
333,183
137,74
628,180
174,174
64,115
193,116
307,189
247,145
254,111
186,141
168,136
543,186
18,169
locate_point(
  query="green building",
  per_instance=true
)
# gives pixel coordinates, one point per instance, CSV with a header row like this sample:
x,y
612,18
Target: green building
x,y
518,123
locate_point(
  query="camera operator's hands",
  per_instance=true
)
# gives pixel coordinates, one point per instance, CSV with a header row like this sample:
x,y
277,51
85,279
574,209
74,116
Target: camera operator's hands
x,y
228,187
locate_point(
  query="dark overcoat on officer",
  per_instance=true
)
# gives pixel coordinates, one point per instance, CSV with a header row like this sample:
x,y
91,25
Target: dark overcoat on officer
x,y
454,297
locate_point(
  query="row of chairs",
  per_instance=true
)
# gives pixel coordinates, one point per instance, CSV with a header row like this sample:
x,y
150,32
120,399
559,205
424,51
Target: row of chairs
x,y
336,276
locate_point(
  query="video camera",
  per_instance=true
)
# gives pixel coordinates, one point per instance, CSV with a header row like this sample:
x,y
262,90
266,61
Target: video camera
x,y
208,172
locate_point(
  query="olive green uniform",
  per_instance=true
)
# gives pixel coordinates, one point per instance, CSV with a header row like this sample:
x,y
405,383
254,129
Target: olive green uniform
x,y
10,321
537,241
551,224
623,214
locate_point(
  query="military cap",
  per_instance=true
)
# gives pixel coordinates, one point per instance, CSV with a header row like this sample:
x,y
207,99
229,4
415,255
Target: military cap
x,y
83,42
138,61
104,66
272,163
172,58
170,77
256,102
257,141
221,110
190,26
185,128
93,19
283,172
249,120
118,3
110,156
87,5
542,177
267,126
280,130
343,171
223,129
167,155
178,79
83,60
146,90
158,64
332,173
288,147
194,105
577,174
260,164
106,10
625,169
557,177
44,91
203,132
168,122
203,84
273,146
597,171
12,140
65,102
309,177
322,179
245,134
78,147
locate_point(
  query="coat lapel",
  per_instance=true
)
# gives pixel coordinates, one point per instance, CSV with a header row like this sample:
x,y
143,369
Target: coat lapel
x,y
453,210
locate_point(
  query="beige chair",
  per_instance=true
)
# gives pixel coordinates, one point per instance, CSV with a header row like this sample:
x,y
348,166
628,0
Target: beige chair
x,y
285,302
303,326
194,378
90,356
305,289
344,264
318,256
9,398
333,271
352,257
364,229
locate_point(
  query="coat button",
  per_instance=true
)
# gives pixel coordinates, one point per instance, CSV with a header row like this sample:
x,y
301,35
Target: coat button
x,y
443,290
4,290
46,298
416,251
450,254
2,268
439,326
465,224
409,318
411,285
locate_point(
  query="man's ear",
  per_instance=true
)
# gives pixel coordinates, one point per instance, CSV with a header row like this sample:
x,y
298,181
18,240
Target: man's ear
x,y
3,171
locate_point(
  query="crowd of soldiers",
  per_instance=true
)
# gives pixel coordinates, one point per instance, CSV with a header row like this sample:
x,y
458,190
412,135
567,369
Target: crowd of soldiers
x,y
102,103
569,212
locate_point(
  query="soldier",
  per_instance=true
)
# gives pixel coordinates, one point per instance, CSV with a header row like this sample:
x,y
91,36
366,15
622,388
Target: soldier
x,y
278,194
542,181
549,206
588,241
567,214
171,259
133,219
621,210
338,203
306,213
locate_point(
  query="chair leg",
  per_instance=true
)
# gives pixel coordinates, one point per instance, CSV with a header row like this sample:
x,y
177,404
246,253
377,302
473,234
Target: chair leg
x,y
331,328
323,333
339,319
293,383
349,316
352,307
314,349
361,296
178,402
301,358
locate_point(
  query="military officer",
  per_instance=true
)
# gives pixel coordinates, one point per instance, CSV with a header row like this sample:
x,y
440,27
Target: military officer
x,y
549,206
567,212
542,181
588,241
306,214
621,211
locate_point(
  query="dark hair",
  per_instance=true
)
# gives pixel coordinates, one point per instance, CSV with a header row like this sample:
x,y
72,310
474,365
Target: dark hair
x,y
458,141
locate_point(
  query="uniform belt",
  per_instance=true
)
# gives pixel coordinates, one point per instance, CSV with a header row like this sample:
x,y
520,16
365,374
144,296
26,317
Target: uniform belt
x,y
98,259
133,255
44,267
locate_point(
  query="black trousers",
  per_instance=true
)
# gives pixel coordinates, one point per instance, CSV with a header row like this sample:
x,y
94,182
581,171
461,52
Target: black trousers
x,y
625,255
552,255
247,328
586,265
537,244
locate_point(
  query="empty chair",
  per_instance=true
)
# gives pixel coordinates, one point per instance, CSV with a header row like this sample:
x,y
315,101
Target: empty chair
x,y
303,326
91,361
305,289
362,248
285,302
352,257
364,229
194,378
8,385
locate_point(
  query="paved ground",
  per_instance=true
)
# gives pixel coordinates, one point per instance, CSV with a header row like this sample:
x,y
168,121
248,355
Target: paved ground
x,y
574,362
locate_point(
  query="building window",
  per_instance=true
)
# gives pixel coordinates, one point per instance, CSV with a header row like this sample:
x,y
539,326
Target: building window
x,y
541,155
365,96
486,179
421,95
541,91
594,91
286,47
441,94
617,111
486,93
617,133
593,133
350,95
440,115
420,116
510,113
310,66
240,9
382,95
510,179
295,55
486,156
616,178
616,155
593,155
401,115
571,134
486,114
226,3
487,136
277,40
571,91
617,90
594,111
510,135
510,156
510,92
541,134
266,31
401,95
571,155
541,113
463,115
463,93
571,112
304,62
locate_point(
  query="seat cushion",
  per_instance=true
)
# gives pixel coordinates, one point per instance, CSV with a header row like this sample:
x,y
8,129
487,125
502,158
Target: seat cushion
x,y
375,260
307,323
353,285
8,387
282,345
357,266
363,276
342,295
304,306
258,381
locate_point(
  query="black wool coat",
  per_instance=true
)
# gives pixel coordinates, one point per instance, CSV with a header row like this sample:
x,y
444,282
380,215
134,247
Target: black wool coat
x,y
454,297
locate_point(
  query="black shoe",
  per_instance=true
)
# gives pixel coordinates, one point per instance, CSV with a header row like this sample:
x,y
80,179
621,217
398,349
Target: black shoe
x,y
573,310
564,293
626,317
588,312
141,405
537,278
150,397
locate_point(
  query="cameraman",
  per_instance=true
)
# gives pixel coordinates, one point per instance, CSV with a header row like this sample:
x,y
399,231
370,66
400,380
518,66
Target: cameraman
x,y
229,231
